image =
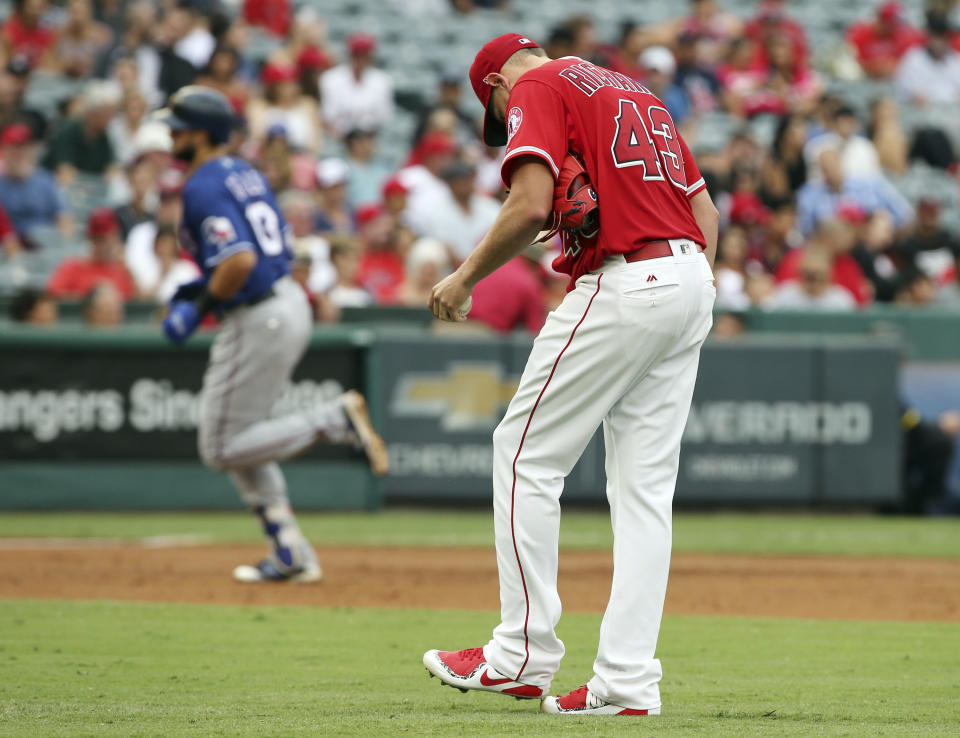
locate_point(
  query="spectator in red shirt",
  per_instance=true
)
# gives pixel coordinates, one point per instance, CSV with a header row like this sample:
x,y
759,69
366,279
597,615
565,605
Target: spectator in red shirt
x,y
880,43
838,237
272,15
772,20
381,270
741,81
513,296
76,277
813,288
311,62
24,33
788,87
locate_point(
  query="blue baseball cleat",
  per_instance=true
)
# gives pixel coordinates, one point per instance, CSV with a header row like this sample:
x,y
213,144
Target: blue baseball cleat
x,y
267,571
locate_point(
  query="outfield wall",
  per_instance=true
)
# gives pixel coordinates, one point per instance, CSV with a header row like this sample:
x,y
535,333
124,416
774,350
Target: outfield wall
x,y
108,420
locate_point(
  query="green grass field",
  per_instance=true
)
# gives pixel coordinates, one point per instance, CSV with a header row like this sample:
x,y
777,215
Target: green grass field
x,y
121,669
126,669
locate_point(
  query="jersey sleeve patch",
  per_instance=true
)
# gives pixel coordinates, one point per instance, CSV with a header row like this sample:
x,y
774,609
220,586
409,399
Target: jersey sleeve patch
x,y
218,231
514,119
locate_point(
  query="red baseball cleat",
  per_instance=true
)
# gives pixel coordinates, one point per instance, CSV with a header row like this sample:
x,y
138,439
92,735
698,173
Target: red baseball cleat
x,y
468,669
584,702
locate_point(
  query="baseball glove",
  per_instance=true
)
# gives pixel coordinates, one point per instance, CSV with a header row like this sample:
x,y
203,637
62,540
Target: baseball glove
x,y
576,212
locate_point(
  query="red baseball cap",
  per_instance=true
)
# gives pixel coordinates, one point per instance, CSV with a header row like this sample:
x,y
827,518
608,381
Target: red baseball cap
x,y
277,72
367,214
890,11
361,43
313,57
489,60
433,143
852,213
747,209
16,134
102,222
394,186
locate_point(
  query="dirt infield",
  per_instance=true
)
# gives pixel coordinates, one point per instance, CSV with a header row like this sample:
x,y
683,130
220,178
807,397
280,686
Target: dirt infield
x,y
811,587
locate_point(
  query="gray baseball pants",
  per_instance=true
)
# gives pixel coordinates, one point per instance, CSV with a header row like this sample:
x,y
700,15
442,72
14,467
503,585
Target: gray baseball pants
x,y
251,360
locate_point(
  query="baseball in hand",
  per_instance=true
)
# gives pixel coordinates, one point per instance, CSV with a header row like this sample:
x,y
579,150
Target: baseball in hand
x,y
465,308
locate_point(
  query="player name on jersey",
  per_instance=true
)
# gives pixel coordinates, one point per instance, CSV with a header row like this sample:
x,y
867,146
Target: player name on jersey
x,y
589,78
245,184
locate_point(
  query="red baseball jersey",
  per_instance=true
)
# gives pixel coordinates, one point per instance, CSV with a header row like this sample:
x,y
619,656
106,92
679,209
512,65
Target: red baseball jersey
x,y
640,167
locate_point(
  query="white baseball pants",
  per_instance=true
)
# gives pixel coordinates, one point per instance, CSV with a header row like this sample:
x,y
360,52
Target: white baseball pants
x,y
622,349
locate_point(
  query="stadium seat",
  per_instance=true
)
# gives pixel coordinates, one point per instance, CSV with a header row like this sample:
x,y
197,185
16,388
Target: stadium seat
x,y
45,92
763,128
14,274
260,45
48,238
86,193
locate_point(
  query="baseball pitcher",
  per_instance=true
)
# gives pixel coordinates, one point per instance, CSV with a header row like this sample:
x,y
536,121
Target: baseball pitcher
x,y
594,153
234,230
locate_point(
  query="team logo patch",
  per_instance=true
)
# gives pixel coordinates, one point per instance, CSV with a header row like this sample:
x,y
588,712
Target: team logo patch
x,y
514,119
218,230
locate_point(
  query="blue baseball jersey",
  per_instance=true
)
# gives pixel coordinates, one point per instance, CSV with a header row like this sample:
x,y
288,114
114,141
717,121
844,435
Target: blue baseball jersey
x,y
228,207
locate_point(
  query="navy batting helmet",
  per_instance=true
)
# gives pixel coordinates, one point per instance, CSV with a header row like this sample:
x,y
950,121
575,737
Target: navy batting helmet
x,y
199,108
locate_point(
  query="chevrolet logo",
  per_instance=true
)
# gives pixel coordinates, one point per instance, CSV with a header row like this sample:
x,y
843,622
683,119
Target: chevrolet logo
x,y
468,396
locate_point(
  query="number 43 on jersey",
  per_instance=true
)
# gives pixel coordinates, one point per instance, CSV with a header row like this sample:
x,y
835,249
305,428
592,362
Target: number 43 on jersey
x,y
649,140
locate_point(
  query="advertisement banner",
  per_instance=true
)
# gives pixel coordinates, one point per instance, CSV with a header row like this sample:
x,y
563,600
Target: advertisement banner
x,y
809,422
442,400
751,431
862,434
72,403
775,422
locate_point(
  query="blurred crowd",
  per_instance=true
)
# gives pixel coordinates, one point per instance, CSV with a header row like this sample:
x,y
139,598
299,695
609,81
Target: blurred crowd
x,y
809,184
